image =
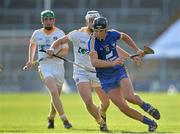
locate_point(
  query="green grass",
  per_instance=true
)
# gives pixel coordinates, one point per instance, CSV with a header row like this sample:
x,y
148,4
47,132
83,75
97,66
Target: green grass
x,y
27,113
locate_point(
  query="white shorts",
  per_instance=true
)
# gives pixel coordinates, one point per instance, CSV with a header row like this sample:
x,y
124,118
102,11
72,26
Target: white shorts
x,y
87,77
52,70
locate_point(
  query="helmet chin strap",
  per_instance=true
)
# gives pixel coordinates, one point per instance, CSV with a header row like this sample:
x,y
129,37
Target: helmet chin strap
x,y
101,39
91,30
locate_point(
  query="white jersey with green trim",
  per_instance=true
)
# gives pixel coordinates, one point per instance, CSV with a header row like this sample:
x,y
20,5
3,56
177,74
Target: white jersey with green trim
x,y
79,38
44,41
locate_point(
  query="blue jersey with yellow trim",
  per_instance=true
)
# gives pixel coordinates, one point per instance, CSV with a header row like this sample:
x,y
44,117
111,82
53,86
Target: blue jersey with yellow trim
x,y
106,50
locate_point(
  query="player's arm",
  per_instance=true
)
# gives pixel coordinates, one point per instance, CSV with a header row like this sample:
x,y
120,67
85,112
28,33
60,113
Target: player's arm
x,y
102,63
32,50
122,52
128,40
61,42
126,55
63,51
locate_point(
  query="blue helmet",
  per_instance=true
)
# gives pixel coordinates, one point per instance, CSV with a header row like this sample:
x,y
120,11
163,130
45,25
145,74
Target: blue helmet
x,y
100,23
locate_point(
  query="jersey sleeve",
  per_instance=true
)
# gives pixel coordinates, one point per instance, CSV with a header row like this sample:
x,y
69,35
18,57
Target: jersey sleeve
x,y
62,33
116,34
71,35
33,37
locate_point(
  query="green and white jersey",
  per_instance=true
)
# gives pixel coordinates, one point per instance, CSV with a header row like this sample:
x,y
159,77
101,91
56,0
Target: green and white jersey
x,y
79,38
44,41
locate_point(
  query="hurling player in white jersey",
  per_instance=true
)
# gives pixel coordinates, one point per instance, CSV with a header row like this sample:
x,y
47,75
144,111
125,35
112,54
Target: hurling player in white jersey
x,y
85,80
51,69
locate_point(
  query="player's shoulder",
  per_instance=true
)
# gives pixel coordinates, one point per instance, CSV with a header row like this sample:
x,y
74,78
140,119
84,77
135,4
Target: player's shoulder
x,y
83,29
37,30
73,33
78,32
59,30
113,31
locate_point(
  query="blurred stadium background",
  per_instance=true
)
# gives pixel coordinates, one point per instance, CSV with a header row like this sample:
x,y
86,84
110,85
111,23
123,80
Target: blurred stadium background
x,y
144,20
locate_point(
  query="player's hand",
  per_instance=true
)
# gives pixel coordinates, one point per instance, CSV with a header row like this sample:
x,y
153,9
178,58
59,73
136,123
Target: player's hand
x,y
50,52
140,52
119,61
137,60
29,65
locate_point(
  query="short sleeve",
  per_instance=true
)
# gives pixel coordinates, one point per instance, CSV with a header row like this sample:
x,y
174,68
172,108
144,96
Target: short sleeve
x,y
116,34
33,37
71,35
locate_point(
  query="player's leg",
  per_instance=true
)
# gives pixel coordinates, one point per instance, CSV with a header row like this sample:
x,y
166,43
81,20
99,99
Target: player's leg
x,y
43,74
130,96
51,116
63,117
85,90
118,99
104,102
53,77
104,99
54,92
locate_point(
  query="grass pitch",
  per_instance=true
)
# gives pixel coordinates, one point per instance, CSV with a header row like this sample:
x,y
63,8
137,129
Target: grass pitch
x,y
27,113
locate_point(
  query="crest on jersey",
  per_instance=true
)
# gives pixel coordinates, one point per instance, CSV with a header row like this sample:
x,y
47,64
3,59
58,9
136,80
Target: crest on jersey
x,y
107,49
83,51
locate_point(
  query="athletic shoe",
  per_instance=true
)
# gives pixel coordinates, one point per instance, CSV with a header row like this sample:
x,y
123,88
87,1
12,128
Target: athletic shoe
x,y
104,128
50,123
152,128
67,124
154,112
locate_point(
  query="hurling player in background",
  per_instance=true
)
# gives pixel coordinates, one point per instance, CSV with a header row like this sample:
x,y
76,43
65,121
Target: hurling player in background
x,y
51,70
110,69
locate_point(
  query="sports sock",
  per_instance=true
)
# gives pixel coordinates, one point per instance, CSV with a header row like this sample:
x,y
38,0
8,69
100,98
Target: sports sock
x,y
103,113
51,117
101,122
63,117
145,106
147,121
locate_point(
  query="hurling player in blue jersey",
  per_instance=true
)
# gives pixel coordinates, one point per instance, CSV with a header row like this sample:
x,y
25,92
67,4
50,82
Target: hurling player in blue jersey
x,y
110,69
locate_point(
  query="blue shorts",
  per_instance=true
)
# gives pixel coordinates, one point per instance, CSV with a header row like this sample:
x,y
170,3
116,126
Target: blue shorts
x,y
114,82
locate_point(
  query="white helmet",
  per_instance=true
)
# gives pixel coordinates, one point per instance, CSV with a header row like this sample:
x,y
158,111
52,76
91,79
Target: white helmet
x,y
92,14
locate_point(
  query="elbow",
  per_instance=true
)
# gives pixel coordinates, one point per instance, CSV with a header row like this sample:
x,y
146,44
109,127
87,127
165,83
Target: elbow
x,y
125,37
63,52
66,50
94,63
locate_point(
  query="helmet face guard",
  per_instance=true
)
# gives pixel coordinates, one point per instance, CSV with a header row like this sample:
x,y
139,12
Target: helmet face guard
x,y
100,23
90,16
